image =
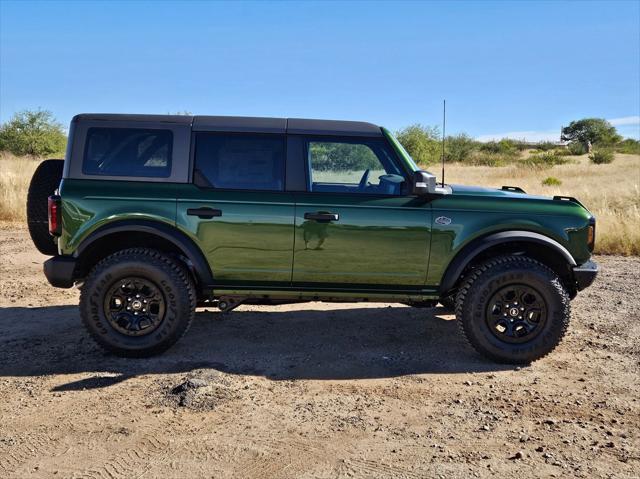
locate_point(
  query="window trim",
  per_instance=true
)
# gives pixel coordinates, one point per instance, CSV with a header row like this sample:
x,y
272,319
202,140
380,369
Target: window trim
x,y
142,177
194,154
351,139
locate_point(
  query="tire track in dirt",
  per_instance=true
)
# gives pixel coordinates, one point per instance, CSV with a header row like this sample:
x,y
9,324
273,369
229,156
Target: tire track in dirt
x,y
368,468
15,456
128,464
279,458
291,459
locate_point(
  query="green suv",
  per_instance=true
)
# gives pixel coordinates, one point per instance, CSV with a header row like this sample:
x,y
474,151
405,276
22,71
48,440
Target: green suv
x,y
152,216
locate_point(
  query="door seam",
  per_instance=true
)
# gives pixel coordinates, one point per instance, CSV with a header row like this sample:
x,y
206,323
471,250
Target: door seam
x,y
293,248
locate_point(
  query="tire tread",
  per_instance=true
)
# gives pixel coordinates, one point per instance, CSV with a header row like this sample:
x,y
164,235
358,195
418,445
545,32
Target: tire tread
x,y
506,262
145,255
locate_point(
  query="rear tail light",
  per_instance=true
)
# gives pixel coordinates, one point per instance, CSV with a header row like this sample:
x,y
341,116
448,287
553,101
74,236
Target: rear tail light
x,y
591,234
55,215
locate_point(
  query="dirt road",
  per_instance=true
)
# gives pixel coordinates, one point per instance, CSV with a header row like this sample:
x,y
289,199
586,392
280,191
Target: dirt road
x,y
314,390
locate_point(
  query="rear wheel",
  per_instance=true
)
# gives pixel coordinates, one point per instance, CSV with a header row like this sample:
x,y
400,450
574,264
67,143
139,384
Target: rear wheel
x,y
513,309
43,184
137,302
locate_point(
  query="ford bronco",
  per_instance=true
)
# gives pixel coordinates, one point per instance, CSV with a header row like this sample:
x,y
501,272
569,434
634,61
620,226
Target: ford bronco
x,y
152,216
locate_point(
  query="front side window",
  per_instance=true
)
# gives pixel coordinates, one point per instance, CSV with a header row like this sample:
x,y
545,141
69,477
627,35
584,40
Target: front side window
x,y
352,166
128,152
240,161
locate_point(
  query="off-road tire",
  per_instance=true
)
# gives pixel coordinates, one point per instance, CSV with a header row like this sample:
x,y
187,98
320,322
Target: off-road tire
x,y
484,281
43,184
170,278
449,303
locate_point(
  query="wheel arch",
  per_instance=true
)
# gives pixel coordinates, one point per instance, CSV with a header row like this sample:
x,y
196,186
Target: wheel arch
x,y
142,233
535,245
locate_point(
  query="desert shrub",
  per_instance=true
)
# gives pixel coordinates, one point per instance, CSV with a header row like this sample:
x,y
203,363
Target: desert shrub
x,y
489,147
485,158
504,147
32,133
562,152
545,146
422,143
576,148
459,148
521,145
601,156
544,160
629,146
551,181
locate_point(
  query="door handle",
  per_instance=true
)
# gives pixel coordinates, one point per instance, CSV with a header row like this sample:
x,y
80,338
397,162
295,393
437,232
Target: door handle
x,y
204,213
322,217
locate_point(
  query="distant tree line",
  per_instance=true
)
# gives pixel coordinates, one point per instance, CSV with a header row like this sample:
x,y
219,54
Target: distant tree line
x,y
590,135
36,133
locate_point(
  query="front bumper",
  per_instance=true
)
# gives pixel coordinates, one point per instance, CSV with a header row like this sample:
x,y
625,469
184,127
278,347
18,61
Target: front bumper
x,y
585,274
59,271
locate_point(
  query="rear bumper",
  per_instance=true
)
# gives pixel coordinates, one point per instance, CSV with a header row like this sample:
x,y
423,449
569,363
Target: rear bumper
x,y
585,274
59,271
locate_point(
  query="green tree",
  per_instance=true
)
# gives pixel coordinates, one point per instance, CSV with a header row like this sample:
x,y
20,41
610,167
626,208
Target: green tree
x,y
33,133
329,156
591,131
422,143
460,147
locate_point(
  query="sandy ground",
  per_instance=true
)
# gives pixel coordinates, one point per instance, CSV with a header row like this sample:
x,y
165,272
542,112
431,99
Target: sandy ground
x,y
314,390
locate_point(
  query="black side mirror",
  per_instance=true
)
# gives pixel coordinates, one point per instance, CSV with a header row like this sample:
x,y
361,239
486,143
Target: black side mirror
x,y
424,183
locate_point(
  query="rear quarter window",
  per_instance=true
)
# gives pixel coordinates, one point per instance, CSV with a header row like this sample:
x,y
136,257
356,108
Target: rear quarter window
x,y
132,152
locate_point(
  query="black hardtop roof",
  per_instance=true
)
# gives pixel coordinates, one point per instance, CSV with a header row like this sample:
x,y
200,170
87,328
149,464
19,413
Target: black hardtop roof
x,y
246,124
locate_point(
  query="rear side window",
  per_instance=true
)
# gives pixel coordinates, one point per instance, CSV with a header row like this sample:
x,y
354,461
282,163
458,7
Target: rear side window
x,y
128,152
239,161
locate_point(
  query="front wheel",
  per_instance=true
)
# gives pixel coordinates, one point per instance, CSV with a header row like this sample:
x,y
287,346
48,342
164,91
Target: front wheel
x,y
137,302
513,309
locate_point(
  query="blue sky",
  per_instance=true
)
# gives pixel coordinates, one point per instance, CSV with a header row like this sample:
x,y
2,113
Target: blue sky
x,y
519,69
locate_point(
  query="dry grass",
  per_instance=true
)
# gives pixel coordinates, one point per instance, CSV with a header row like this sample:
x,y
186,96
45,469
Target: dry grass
x,y
611,192
15,174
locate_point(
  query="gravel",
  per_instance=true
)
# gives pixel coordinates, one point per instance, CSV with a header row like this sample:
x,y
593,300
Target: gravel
x,y
314,390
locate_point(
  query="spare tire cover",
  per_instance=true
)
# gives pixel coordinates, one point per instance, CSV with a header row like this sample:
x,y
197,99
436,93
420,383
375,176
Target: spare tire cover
x,y
44,182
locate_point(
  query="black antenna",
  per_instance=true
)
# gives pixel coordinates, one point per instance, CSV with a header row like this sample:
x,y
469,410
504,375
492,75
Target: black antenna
x,y
444,124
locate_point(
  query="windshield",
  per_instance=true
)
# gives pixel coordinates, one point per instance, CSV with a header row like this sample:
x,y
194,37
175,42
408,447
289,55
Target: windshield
x,y
404,155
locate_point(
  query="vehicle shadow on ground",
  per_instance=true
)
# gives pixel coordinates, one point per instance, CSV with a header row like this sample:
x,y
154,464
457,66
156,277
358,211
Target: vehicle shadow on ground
x,y
304,343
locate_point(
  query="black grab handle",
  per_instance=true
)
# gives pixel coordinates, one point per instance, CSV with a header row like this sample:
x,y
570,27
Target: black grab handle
x,y
322,217
204,213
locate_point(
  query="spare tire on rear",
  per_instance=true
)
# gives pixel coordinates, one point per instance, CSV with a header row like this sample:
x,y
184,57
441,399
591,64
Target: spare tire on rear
x,y
44,182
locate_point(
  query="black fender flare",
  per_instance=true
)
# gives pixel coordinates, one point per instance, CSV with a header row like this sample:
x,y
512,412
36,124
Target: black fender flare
x,y
464,257
167,232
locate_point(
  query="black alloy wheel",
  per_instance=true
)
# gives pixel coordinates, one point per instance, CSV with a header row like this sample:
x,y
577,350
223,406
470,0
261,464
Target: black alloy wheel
x,y
134,306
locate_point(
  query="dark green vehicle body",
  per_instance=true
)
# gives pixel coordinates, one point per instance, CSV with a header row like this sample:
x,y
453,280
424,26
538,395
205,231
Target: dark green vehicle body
x,y
404,247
